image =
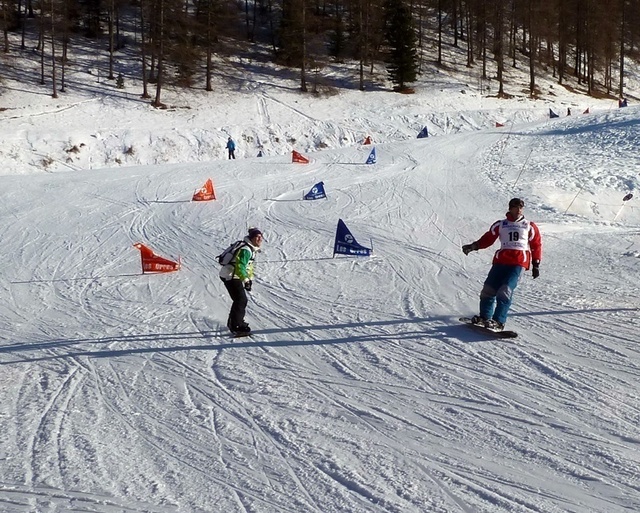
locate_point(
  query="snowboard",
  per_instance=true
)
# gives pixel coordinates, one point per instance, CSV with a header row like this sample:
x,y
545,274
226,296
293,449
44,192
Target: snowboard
x,y
487,331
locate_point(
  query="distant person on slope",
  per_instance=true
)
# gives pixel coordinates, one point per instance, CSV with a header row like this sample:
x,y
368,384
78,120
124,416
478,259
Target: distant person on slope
x,y
520,248
237,276
231,146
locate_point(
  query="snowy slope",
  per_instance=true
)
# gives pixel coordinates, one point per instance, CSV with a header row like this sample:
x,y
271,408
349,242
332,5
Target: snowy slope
x,y
360,391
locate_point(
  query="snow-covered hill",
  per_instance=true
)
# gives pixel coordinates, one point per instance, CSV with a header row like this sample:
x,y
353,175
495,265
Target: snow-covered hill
x,y
94,125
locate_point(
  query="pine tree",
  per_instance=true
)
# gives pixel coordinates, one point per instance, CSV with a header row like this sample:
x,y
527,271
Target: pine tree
x,y
402,60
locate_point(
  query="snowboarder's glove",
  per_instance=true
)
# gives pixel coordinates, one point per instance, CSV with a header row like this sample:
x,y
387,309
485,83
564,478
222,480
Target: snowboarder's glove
x,y
247,285
468,248
536,269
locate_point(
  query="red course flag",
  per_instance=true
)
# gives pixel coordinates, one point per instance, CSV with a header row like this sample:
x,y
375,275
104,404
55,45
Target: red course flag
x,y
205,193
499,125
152,263
298,158
367,140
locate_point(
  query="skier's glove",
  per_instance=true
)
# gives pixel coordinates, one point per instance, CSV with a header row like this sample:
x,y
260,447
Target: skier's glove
x,y
468,248
247,285
536,269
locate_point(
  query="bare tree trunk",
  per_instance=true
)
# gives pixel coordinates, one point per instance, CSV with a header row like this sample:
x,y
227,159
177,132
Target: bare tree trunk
x,y
439,61
157,102
272,28
470,60
209,65
5,15
361,45
532,48
499,46
247,21
65,46
23,18
562,43
592,72
254,15
454,22
41,44
482,33
579,43
303,76
143,45
420,25
111,49
513,33
54,93
622,36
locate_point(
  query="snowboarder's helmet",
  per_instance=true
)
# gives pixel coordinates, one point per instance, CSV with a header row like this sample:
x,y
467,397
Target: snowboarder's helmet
x,y
516,202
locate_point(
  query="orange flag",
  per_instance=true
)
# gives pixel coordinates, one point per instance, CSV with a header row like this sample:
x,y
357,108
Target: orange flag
x,y
367,140
152,263
205,193
298,158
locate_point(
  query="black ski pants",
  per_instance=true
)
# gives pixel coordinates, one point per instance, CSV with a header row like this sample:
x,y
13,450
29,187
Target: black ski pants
x,y
239,305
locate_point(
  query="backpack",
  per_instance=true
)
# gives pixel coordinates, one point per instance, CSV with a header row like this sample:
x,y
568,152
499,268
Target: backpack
x,y
227,256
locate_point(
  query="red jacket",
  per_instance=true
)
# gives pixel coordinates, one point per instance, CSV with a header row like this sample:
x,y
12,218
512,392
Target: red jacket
x,y
520,241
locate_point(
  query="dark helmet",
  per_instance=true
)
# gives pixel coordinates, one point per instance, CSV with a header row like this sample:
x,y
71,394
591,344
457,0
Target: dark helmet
x,y
253,232
516,202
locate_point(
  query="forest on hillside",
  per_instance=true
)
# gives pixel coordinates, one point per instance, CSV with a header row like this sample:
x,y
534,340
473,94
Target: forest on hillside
x,y
176,40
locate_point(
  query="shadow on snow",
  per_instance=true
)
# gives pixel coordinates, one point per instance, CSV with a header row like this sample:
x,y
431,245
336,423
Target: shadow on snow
x,y
455,329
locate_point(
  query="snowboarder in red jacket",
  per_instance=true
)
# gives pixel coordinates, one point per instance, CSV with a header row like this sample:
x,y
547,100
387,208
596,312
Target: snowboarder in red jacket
x,y
520,248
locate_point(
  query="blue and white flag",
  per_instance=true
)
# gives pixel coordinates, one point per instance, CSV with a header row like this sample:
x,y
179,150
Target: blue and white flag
x,y
372,156
316,192
423,133
346,244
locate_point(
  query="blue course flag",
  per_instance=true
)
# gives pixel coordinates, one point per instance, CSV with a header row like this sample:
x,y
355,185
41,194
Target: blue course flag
x,y
423,133
316,192
346,244
372,156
